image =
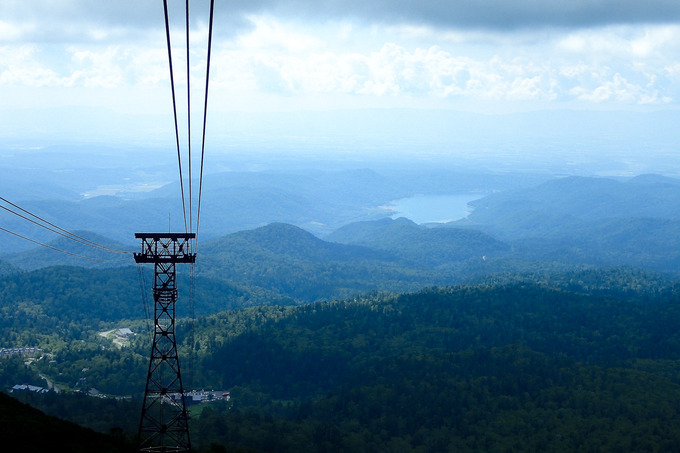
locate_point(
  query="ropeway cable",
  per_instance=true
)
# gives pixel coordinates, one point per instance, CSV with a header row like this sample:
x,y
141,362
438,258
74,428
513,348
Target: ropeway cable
x,y
145,300
189,225
174,109
59,250
191,197
205,116
56,229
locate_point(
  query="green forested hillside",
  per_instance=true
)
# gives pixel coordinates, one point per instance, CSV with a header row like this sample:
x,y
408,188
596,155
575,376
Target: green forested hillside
x,y
561,315
428,247
6,268
518,366
294,263
62,310
90,295
41,257
583,361
282,264
588,198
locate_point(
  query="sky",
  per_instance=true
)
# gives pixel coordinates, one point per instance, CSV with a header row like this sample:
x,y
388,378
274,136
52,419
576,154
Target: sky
x,y
96,68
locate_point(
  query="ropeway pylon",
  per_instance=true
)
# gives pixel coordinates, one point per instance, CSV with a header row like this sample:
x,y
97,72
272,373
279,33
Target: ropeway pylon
x,y
163,426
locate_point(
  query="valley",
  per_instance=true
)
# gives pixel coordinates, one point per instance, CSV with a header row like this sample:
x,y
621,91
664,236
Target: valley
x,y
548,308
360,227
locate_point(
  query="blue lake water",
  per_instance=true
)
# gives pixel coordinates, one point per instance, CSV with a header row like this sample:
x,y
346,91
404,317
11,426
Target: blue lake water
x,y
433,208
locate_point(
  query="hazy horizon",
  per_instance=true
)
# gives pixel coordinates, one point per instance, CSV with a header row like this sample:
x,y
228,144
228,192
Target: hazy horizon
x,y
523,80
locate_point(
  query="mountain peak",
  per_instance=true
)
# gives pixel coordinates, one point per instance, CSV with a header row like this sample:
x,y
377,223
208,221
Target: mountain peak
x,y
649,179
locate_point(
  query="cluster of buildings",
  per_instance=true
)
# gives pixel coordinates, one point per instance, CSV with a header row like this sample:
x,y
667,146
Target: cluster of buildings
x,y
204,396
9,352
28,388
191,397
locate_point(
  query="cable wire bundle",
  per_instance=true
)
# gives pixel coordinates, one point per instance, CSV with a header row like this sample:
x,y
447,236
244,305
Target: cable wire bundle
x,y
39,221
189,225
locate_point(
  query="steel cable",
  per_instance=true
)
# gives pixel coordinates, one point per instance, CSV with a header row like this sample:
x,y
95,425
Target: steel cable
x,y
174,109
56,229
59,250
205,116
191,197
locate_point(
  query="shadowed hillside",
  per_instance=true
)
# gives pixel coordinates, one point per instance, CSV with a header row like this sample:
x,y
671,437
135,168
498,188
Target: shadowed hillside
x,y
26,429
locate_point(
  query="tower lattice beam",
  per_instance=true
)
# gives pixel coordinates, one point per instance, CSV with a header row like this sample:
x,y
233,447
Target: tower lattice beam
x,y
163,426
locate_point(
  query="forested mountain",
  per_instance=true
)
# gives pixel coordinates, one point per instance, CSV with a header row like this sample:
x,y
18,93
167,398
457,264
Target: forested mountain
x,y
80,252
334,345
587,198
430,247
274,264
587,221
567,222
561,314
319,201
61,299
293,262
582,361
558,205
6,268
282,263
519,366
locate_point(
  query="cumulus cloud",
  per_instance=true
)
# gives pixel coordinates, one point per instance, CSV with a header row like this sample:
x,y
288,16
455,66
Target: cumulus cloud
x,y
587,66
436,50
18,66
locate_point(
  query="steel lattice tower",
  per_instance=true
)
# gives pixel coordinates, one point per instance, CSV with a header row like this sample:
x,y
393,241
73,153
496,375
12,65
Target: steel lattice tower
x,y
163,426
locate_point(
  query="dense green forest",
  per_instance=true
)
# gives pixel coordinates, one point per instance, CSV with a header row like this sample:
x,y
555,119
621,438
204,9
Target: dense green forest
x,y
580,361
275,264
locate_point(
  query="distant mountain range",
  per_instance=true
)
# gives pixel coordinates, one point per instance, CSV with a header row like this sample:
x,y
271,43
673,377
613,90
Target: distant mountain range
x,y
577,199
281,263
594,221
318,201
65,251
542,351
420,245
561,224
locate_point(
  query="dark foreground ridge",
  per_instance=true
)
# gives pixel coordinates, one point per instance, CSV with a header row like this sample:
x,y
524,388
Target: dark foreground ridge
x,y
31,431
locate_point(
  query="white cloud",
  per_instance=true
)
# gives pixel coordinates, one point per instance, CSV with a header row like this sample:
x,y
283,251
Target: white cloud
x,y
97,69
276,37
401,66
11,32
616,88
614,64
18,66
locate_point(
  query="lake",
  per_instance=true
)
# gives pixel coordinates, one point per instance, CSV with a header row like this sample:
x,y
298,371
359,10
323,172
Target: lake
x,y
433,208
